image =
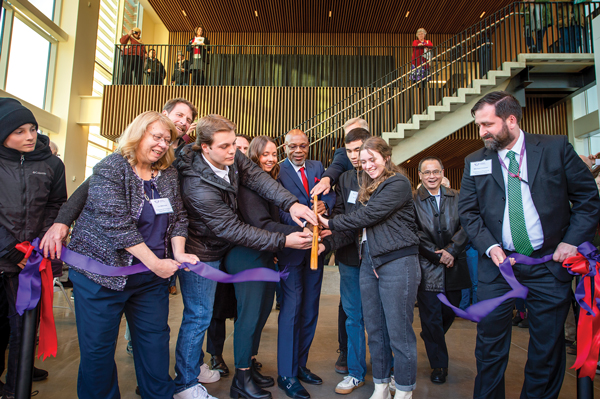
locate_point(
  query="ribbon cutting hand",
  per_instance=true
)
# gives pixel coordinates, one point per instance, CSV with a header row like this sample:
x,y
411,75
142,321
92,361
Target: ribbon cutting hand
x,y
299,211
321,187
51,244
321,209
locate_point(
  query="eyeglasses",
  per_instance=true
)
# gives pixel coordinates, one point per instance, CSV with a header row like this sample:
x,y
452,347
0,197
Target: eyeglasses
x,y
158,138
294,147
428,173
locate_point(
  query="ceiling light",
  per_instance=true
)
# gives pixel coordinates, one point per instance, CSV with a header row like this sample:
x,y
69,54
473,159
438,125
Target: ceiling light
x,y
183,12
329,14
406,16
256,13
482,14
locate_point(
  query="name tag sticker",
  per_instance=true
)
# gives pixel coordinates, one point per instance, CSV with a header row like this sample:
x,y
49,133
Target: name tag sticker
x,y
161,206
481,168
352,197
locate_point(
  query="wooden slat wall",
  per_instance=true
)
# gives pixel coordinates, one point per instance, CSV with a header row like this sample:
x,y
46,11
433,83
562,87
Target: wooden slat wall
x,y
453,149
257,111
313,15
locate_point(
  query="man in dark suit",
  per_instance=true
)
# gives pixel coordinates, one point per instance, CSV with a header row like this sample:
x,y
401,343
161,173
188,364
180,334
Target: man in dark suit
x,y
529,194
302,289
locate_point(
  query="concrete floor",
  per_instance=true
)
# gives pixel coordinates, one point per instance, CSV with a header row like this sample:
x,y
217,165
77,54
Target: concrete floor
x,y
62,383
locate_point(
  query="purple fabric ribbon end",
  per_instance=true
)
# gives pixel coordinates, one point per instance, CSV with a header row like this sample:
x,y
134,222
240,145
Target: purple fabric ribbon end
x,y
30,282
591,253
481,309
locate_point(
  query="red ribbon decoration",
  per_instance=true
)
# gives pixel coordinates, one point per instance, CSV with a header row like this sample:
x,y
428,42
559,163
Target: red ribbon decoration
x,y
588,327
48,345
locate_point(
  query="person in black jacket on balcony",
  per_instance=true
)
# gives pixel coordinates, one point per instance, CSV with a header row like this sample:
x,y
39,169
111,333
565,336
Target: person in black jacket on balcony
x,y
181,71
154,69
389,270
211,173
35,188
443,261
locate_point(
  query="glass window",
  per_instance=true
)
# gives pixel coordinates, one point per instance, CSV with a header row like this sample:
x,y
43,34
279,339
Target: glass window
x,y
45,6
592,99
27,64
98,148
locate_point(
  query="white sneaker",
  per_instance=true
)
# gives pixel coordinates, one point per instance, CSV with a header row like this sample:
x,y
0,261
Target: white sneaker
x,y
348,385
382,391
195,392
403,395
392,386
207,375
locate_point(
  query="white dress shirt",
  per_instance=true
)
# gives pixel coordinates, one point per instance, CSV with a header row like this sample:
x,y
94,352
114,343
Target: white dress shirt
x,y
222,173
532,218
438,196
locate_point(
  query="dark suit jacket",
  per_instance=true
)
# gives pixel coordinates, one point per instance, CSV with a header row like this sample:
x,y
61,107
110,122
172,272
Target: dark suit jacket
x,y
563,192
290,180
341,163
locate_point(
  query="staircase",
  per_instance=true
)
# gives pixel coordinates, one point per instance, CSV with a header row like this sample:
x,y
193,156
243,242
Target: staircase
x,y
482,58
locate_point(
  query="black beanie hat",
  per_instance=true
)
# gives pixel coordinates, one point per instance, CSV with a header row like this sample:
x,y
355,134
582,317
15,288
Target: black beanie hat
x,y
13,115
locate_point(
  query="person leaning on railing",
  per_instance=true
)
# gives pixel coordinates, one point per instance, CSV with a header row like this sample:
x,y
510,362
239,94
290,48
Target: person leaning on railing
x,y
133,51
420,56
133,214
198,55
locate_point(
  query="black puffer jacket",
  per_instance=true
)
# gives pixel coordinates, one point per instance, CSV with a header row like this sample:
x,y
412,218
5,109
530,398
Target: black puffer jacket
x,y
441,230
211,203
389,217
34,188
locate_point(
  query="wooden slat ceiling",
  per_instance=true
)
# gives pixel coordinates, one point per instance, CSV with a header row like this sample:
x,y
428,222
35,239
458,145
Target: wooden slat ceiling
x,y
347,16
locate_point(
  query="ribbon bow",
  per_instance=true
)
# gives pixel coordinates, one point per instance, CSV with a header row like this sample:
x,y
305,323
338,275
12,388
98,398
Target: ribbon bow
x,y
36,283
587,294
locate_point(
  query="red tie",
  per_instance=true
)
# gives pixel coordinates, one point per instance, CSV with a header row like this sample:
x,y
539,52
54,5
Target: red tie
x,y
304,181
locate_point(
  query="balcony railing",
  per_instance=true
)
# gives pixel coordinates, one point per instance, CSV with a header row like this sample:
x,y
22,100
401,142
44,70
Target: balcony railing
x,y
256,65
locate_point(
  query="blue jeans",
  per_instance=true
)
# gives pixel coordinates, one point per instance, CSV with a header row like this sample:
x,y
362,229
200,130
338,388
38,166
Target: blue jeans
x,y
570,39
145,302
469,295
198,295
388,309
355,326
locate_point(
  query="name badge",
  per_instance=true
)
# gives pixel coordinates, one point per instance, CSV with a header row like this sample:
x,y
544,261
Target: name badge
x,y
161,206
352,197
481,168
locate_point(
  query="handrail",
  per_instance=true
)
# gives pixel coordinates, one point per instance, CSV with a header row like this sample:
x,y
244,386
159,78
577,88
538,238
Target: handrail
x,y
521,27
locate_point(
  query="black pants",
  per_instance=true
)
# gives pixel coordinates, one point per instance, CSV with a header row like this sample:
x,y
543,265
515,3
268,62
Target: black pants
x,y
197,77
548,303
342,335
11,285
4,327
133,70
436,319
215,336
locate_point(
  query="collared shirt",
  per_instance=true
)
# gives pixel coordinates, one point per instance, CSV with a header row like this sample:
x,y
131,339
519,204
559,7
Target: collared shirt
x,y
222,173
297,169
532,218
438,197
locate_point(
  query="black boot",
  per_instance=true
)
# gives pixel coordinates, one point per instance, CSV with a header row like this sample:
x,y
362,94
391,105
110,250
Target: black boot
x,y
242,386
263,381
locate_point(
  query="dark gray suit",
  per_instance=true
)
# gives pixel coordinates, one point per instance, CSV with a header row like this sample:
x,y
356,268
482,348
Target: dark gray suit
x,y
566,198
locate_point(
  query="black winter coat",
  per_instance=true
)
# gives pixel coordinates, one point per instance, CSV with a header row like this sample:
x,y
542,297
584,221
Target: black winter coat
x,y
347,182
34,189
389,218
211,202
441,230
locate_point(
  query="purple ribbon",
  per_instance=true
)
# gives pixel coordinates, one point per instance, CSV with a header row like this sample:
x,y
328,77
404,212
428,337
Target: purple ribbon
x,y
481,309
30,282
591,253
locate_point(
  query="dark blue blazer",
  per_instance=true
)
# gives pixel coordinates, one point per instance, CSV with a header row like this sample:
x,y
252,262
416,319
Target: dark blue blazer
x,y
289,179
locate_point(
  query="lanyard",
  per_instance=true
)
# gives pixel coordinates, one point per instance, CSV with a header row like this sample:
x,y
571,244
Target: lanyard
x,y
518,176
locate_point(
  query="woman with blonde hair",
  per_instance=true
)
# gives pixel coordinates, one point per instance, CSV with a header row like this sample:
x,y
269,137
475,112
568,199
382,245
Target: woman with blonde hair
x,y
385,231
133,214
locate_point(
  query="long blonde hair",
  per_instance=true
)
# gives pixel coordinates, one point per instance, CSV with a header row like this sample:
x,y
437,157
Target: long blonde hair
x,y
366,183
133,134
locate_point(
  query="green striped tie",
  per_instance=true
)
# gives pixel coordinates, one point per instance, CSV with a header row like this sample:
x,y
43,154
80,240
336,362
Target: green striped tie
x,y
518,228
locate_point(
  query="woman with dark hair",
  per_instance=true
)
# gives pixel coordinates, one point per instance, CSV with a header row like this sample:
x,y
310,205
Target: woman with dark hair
x,y
198,55
389,269
254,299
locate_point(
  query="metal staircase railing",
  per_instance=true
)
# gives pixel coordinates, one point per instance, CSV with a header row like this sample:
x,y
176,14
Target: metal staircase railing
x,y
521,27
